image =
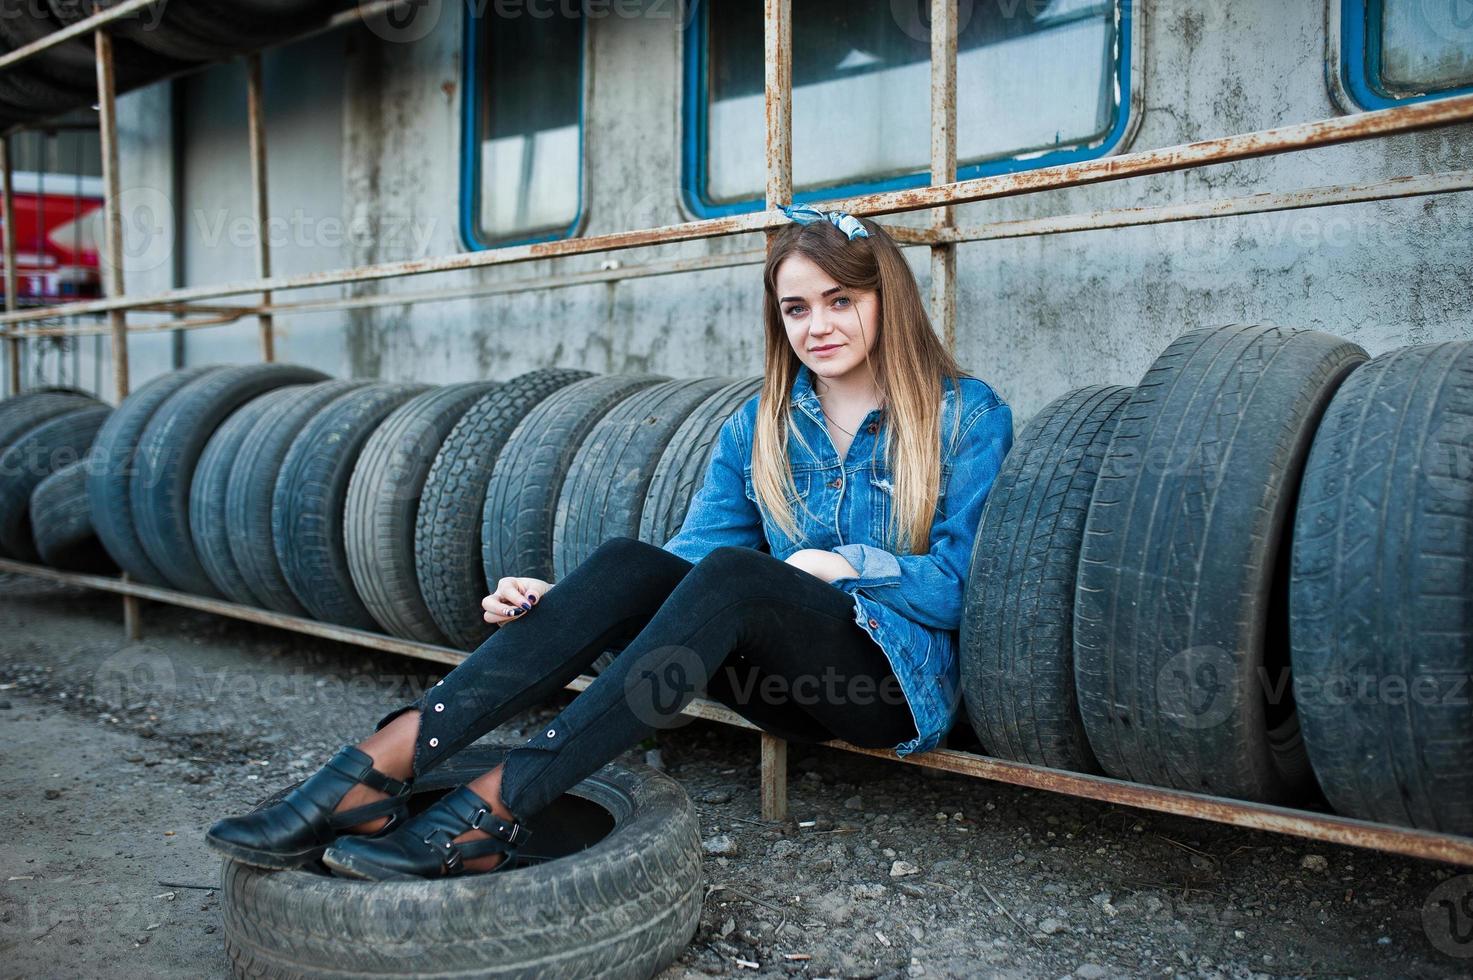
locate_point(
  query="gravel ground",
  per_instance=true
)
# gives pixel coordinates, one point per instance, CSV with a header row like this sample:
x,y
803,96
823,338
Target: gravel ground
x,y
120,755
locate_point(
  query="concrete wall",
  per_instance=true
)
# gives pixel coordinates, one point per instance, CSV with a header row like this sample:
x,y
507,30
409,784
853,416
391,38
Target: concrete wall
x,y
364,136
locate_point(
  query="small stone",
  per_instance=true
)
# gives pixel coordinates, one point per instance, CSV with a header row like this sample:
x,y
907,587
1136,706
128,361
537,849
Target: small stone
x,y
867,891
854,803
720,846
1051,926
4,705
784,849
53,794
902,869
914,891
1315,862
717,796
1091,971
654,759
728,927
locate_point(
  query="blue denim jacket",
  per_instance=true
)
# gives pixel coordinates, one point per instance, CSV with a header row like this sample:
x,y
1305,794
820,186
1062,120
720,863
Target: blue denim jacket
x,y
911,605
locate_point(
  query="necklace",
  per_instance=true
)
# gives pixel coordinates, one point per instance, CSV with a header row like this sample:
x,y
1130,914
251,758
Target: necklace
x,y
831,419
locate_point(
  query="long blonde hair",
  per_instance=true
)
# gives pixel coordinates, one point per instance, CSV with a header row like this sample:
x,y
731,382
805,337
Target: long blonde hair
x,y
908,362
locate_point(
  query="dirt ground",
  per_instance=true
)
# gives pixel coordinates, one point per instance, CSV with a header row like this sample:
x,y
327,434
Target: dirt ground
x,y
118,756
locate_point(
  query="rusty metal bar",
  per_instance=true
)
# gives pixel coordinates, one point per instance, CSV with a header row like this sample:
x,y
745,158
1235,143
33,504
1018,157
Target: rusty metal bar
x,y
256,124
943,164
777,36
564,280
1228,149
250,614
78,29
112,245
12,277
112,252
1239,813
164,326
1307,198
1452,182
1308,824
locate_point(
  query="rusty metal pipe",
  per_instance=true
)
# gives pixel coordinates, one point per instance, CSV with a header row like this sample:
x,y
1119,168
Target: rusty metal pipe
x,y
1300,136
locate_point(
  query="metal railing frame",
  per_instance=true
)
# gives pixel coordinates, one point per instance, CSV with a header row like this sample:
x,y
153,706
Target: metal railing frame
x,y
941,234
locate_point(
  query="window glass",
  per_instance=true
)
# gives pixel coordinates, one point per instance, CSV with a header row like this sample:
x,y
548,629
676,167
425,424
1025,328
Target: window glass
x,y
1426,46
526,157
1032,77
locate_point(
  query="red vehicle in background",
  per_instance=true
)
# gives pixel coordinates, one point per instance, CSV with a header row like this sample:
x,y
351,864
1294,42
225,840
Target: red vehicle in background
x,y
58,225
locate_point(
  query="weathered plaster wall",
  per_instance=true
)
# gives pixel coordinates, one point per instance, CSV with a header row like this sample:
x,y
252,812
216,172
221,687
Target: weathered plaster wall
x,y
367,133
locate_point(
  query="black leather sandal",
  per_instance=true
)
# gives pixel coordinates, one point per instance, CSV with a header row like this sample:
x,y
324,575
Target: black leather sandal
x,y
299,827
425,847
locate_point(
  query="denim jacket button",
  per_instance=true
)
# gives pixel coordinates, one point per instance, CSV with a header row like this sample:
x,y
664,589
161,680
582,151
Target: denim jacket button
x,y
837,482
874,623
873,427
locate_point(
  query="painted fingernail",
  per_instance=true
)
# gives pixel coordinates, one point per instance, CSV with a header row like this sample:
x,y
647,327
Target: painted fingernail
x,y
533,597
526,605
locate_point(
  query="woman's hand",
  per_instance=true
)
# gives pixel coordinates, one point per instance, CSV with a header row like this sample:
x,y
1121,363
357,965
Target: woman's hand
x,y
513,598
827,565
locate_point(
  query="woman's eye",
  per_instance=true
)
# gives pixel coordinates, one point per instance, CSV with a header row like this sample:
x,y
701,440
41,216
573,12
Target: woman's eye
x,y
842,301
794,310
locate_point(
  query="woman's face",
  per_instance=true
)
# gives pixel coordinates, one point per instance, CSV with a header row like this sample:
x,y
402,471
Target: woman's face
x,y
819,314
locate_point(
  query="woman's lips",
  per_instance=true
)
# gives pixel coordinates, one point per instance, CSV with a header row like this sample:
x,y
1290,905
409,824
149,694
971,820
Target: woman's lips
x,y
827,350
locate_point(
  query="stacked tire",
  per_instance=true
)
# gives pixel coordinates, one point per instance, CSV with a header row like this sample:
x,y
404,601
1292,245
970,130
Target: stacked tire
x,y
1185,583
381,506
45,435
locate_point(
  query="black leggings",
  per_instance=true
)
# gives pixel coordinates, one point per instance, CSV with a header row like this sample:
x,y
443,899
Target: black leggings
x,y
796,664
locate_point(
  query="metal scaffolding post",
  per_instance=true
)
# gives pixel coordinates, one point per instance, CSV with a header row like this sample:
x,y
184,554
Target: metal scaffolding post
x,y
777,35
107,122
7,214
943,165
256,122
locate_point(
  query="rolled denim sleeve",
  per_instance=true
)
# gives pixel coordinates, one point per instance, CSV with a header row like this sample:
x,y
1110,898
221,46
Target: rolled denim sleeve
x,y
930,588
720,513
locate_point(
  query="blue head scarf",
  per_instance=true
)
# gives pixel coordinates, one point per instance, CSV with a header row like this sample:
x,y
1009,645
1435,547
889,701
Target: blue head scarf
x,y
805,215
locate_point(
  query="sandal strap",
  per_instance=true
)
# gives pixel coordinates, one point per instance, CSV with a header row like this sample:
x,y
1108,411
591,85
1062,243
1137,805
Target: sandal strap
x,y
461,810
357,765
367,811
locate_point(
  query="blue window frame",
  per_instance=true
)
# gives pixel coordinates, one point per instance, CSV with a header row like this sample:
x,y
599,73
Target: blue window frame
x,y
1397,51
522,107
851,59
